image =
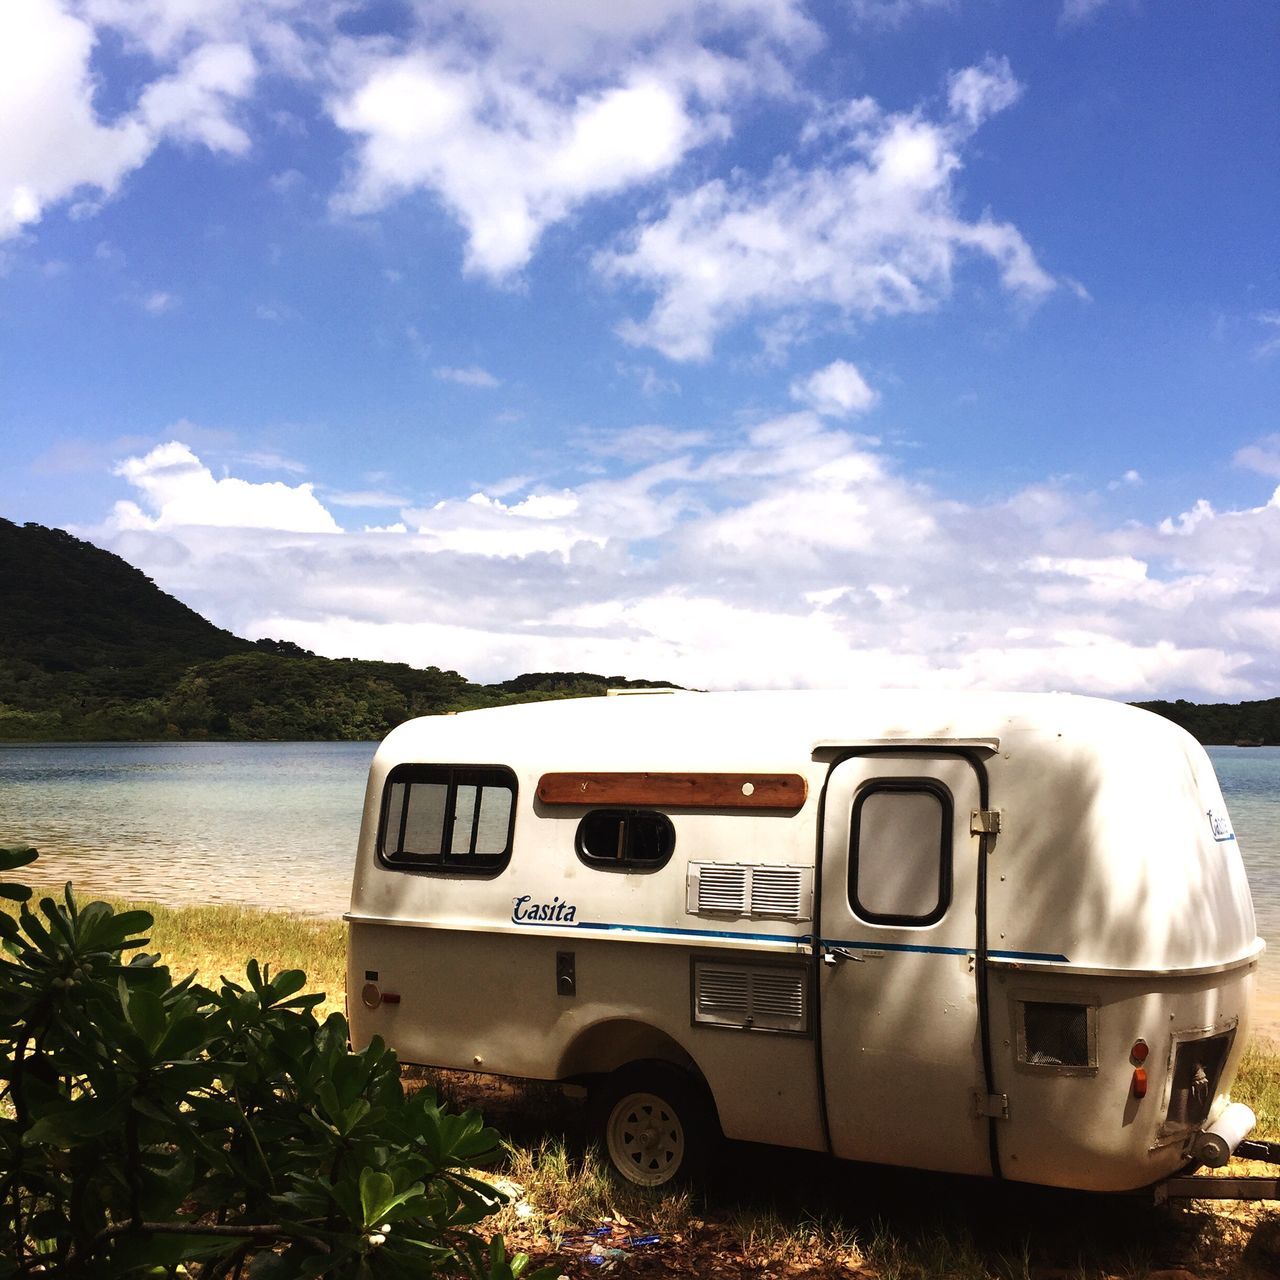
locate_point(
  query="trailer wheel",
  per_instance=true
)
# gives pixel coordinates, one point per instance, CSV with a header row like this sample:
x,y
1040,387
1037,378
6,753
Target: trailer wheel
x,y
655,1124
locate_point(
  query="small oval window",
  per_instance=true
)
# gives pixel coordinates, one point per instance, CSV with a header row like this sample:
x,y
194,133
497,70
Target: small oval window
x,y
625,839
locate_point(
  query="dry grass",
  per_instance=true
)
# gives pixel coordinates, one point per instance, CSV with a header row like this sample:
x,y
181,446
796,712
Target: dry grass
x,y
217,940
1258,1086
780,1214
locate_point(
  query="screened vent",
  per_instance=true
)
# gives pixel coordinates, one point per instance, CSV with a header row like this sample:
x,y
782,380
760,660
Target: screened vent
x,y
783,893
750,998
1057,1035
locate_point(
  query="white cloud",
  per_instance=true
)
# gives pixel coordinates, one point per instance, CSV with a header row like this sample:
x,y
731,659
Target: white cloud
x,y
54,146
471,376
180,491
797,554
506,156
366,498
869,227
977,93
837,391
643,443
158,302
1269,345
1262,456
893,13
194,104
1077,12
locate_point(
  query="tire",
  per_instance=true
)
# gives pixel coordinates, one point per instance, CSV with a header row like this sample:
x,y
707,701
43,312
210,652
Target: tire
x,y
654,1124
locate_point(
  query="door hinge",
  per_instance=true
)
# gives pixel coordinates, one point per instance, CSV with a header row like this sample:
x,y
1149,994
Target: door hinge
x,y
994,1106
984,822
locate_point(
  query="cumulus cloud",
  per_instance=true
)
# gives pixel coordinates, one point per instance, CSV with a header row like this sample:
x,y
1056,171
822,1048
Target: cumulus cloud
x,y
795,554
506,157
837,391
54,144
868,227
180,491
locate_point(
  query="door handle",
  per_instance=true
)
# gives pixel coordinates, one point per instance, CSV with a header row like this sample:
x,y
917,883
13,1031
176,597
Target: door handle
x,y
834,955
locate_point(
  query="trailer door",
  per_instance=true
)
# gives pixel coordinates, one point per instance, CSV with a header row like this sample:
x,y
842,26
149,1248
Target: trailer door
x,y
901,1047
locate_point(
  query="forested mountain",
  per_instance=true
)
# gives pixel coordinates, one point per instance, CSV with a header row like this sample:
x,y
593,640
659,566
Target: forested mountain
x,y
1251,724
92,650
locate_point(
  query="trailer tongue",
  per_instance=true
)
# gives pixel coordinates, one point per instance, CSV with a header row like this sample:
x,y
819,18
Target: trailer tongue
x,y
1215,1149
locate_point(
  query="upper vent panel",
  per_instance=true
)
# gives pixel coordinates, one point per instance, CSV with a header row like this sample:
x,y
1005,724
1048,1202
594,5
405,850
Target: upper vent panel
x,y
743,889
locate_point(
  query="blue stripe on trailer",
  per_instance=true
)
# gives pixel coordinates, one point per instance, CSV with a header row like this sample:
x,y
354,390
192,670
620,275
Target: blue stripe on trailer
x,y
800,939
938,951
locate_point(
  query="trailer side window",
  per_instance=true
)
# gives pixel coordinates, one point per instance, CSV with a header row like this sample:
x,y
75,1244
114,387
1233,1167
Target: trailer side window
x,y
625,839
900,852
447,817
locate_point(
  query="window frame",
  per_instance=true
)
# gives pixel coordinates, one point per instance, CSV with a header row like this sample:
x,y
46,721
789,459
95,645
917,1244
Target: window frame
x,y
629,865
452,776
946,850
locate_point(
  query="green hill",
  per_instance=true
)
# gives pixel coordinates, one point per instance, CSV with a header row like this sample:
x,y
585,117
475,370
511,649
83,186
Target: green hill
x,y
92,650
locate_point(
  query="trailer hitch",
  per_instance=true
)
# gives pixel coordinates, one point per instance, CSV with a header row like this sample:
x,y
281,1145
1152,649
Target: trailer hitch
x,y
1191,1187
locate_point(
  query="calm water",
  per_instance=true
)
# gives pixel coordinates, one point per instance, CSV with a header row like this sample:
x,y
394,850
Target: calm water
x,y
270,824
275,824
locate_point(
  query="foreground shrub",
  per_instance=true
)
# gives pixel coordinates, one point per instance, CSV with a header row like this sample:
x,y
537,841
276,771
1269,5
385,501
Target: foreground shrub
x,y
149,1124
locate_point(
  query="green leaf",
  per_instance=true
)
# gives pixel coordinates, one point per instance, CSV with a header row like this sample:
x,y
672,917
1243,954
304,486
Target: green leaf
x,y
376,1189
146,1015
15,856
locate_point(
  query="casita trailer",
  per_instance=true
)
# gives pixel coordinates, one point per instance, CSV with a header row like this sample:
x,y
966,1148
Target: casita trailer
x,y
988,934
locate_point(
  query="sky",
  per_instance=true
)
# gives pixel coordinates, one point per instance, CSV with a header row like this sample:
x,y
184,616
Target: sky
x,y
753,344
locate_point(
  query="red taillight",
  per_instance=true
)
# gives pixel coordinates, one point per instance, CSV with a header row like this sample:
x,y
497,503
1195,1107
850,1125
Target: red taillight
x,y
1139,1082
1138,1053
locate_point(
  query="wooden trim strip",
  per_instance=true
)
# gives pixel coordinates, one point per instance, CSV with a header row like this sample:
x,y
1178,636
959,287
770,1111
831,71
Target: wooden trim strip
x,y
786,791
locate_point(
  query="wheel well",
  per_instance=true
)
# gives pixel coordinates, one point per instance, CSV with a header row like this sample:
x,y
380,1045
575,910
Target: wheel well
x,y
603,1048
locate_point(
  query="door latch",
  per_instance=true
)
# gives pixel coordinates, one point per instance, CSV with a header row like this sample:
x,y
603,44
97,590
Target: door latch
x,y
832,956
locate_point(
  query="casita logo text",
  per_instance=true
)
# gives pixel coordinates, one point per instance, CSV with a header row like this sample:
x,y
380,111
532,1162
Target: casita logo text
x,y
526,911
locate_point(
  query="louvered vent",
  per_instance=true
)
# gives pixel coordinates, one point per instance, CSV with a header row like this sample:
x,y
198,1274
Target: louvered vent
x,y
738,889
718,888
724,994
778,891
749,997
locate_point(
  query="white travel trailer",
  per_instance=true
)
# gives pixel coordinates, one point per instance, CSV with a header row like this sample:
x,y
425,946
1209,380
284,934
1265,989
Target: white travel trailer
x,y
990,934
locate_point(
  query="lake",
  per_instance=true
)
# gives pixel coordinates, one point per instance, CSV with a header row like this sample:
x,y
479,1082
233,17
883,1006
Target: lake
x,y
275,824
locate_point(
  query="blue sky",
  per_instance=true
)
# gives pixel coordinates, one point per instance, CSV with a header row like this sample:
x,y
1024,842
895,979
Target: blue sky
x,y
753,344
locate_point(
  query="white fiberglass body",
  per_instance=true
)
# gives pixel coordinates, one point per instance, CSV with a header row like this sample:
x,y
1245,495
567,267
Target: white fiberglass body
x,y
985,933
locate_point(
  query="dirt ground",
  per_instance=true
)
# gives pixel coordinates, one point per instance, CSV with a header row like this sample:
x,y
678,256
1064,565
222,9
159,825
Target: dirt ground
x,y
768,1214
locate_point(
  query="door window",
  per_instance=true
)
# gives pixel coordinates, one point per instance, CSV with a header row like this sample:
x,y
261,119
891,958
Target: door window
x,y
900,851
